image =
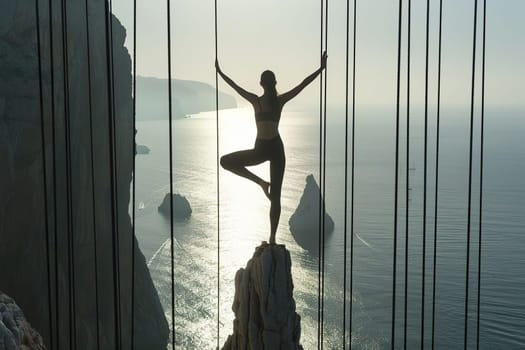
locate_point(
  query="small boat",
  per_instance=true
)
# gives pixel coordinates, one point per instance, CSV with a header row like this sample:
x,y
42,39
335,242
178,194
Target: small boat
x,y
141,205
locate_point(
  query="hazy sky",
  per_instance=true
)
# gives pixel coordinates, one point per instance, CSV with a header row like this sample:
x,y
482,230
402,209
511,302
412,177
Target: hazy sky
x,y
284,35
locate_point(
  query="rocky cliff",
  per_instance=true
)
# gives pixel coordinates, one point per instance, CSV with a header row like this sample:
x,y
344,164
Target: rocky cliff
x,y
15,331
264,308
80,228
304,222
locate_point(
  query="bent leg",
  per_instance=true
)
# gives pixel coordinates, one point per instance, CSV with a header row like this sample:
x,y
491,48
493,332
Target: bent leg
x,y
237,162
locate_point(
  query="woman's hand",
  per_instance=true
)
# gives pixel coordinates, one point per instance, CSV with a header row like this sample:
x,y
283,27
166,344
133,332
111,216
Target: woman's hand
x,y
323,60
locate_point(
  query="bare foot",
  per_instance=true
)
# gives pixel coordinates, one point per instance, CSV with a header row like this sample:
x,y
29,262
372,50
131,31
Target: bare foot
x,y
266,189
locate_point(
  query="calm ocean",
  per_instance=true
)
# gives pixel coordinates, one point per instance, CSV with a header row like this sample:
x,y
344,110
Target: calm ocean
x,y
244,224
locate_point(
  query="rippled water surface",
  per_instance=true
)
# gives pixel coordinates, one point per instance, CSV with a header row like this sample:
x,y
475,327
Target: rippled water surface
x,y
200,268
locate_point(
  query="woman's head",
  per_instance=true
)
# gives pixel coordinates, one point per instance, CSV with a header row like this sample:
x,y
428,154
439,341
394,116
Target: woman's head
x,y
268,82
268,79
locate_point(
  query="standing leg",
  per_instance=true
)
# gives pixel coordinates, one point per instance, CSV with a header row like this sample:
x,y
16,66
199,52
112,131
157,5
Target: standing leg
x,y
277,165
237,162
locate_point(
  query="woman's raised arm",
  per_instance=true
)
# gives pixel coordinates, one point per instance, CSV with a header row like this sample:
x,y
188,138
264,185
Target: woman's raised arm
x,y
287,96
251,97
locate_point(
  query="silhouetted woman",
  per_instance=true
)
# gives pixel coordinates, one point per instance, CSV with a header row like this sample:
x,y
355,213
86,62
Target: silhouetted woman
x,y
268,144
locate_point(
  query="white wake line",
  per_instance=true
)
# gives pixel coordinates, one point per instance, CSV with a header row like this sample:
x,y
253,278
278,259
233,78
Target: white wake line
x,y
364,242
154,256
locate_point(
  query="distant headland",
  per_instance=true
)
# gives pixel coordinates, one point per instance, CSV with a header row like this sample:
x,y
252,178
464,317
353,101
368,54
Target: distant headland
x,y
188,97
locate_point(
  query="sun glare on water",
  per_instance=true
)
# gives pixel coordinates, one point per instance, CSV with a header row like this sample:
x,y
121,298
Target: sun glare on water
x,y
244,221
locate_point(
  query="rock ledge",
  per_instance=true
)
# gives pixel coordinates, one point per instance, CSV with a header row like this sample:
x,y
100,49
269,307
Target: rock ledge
x,y
263,305
15,332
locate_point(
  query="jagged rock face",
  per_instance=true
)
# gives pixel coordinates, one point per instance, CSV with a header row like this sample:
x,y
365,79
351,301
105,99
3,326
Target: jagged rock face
x,y
181,206
264,308
15,332
23,255
304,222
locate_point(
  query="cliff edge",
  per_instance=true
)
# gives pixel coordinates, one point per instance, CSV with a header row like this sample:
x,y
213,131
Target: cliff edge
x,y
263,305
79,226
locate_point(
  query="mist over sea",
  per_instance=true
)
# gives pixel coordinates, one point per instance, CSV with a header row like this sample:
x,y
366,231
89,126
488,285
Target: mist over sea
x,y
244,223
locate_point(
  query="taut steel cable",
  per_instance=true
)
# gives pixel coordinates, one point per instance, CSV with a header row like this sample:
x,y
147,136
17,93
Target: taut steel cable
x,y
53,141
407,175
434,272
321,228
217,179
347,50
396,180
133,155
469,214
113,175
69,186
352,207
325,88
93,207
322,171
425,169
44,173
172,237
482,136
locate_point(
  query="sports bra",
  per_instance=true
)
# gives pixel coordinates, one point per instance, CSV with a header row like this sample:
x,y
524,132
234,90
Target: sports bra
x,y
270,116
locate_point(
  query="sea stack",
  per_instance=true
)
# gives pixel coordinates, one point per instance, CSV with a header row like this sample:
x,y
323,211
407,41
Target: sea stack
x,y
263,305
15,331
181,206
304,222
142,149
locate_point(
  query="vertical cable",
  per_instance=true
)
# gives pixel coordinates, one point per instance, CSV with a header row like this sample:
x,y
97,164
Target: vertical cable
x,y
396,180
217,180
352,175
114,165
324,175
113,174
53,137
69,188
321,226
481,169
134,155
44,174
170,109
425,156
352,210
437,178
347,48
469,215
407,174
93,208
